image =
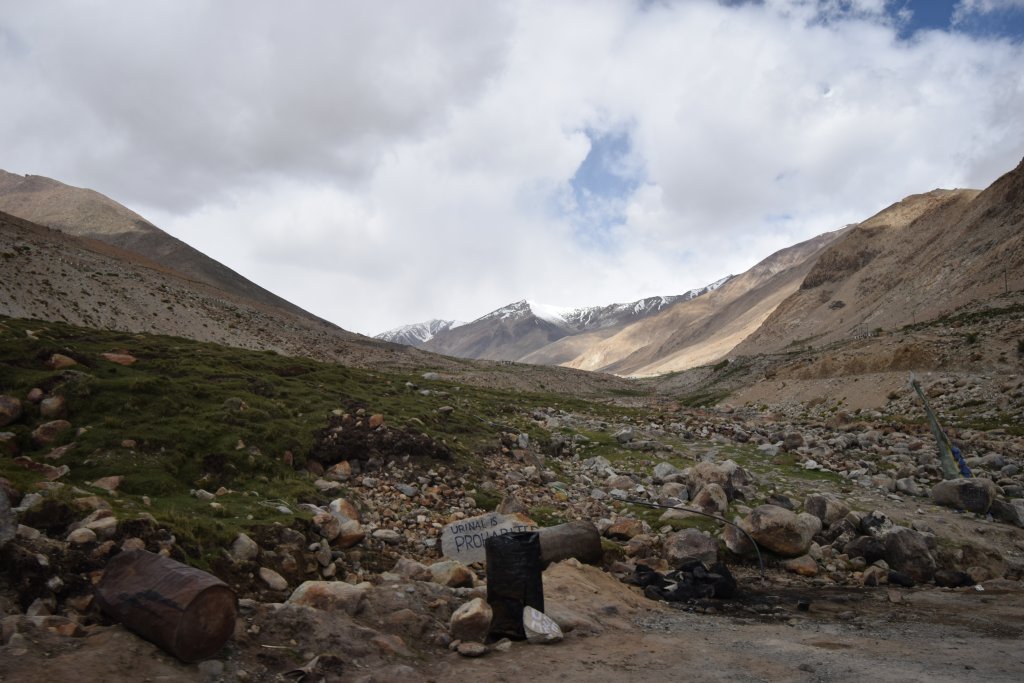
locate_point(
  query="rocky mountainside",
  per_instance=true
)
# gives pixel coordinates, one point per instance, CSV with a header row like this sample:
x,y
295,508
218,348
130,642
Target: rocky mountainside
x,y
920,259
522,330
85,213
417,334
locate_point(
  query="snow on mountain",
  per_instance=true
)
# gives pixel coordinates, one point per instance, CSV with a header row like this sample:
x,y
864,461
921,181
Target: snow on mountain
x,y
418,334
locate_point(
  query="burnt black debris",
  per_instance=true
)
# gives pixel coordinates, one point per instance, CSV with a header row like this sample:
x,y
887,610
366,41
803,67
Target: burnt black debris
x,y
692,581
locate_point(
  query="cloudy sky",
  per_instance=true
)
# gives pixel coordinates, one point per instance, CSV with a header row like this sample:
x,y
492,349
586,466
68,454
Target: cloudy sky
x,y
381,163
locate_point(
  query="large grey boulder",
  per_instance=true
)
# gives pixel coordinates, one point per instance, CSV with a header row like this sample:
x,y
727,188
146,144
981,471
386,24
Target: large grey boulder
x,y
973,495
690,544
907,551
1011,511
781,531
827,507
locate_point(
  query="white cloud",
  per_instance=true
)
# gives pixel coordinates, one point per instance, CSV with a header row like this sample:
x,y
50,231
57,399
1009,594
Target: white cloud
x,y
965,8
384,164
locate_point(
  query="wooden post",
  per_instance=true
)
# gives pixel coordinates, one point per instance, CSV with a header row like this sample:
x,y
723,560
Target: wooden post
x,y
577,539
186,611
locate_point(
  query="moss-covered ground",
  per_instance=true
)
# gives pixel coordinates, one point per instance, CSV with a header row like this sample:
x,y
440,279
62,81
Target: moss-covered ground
x,y
189,415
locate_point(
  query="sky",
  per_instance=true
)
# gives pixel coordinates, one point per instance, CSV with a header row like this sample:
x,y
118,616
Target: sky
x,y
384,163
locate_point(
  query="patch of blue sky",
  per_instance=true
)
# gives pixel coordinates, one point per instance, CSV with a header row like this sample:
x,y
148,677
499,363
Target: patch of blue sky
x,y
602,186
981,18
998,19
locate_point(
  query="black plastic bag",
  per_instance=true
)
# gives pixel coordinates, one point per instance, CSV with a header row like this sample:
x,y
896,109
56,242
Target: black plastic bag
x,y
513,581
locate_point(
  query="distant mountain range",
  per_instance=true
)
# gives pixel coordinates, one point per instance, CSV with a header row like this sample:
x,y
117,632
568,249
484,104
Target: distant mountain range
x,y
499,335
930,255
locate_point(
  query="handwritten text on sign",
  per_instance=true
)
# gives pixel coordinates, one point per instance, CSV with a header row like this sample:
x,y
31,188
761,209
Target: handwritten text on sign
x,y
464,540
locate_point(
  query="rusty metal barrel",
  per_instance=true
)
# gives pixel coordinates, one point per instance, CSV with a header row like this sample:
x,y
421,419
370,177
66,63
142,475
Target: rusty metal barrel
x,y
186,611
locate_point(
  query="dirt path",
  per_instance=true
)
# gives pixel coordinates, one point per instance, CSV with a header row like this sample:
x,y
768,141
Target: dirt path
x,y
847,635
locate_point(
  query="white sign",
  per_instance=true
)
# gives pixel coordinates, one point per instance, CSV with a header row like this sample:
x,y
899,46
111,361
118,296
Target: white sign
x,y
464,540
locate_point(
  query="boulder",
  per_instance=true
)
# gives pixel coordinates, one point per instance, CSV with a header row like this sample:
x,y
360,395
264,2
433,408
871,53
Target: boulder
x,y
625,435
81,536
870,548
471,622
781,531
906,551
802,566
47,433
451,573
350,534
243,549
540,628
59,361
690,544
973,495
330,596
344,509
625,529
711,499
730,476
273,580
53,408
827,507
327,525
1011,511
792,441
110,483
10,410
411,569
908,486
665,472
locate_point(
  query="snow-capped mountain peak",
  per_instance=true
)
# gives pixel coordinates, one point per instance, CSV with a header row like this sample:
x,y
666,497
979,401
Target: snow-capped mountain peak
x,y
418,334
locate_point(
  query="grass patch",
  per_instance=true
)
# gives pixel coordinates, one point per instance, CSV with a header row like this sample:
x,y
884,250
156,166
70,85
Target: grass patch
x,y
190,415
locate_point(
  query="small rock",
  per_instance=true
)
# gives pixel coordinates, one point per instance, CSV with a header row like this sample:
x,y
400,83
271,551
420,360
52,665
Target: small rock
x,y
53,408
451,573
387,536
120,358
539,627
82,536
243,549
108,483
273,580
59,361
803,566
472,649
472,621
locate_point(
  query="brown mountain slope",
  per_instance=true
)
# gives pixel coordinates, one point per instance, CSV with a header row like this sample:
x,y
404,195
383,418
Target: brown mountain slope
x,y
704,329
920,259
86,213
48,275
